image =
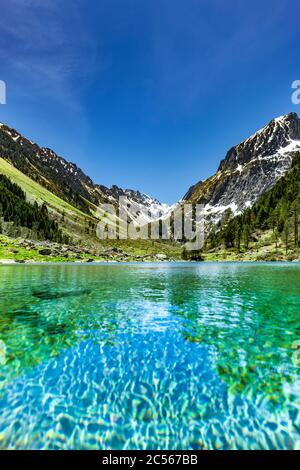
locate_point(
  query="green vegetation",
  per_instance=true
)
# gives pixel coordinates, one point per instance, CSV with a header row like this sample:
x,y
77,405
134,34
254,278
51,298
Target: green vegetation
x,y
23,156
35,192
191,255
273,223
22,250
76,224
268,231
14,208
47,213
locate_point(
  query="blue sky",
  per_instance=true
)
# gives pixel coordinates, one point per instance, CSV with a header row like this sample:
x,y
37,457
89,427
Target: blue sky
x,y
147,94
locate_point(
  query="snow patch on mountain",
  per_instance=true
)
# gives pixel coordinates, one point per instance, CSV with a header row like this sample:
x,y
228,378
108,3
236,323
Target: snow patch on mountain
x,y
140,207
249,169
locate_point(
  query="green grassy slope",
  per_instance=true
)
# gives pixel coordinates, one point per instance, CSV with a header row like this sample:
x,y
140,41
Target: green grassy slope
x,y
75,222
78,225
36,192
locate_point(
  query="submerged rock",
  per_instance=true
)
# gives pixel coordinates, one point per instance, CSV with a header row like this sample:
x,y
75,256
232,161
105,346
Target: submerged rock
x,y
49,295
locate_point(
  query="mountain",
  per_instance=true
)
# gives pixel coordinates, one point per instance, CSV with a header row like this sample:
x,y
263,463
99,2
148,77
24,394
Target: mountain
x,y
42,165
66,180
46,201
269,230
147,207
249,169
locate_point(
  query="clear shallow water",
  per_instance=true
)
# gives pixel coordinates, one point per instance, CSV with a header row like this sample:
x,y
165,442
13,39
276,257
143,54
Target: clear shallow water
x,y
150,356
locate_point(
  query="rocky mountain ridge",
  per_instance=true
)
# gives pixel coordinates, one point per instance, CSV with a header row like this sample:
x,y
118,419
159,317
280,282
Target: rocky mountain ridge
x,y
249,169
66,179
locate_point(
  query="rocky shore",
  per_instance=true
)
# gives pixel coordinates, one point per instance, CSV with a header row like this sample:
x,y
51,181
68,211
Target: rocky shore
x,y
28,251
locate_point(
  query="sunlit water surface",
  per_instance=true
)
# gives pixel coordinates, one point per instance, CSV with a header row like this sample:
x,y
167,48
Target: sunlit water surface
x,y
150,356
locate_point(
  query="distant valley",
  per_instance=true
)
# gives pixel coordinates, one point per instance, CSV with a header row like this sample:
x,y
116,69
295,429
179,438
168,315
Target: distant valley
x,y
71,199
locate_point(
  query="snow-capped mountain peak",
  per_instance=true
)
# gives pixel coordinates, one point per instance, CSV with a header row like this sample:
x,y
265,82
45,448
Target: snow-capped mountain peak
x,y
249,168
147,207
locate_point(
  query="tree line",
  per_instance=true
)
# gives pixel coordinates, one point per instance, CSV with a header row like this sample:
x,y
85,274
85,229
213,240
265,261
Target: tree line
x,y
277,209
14,208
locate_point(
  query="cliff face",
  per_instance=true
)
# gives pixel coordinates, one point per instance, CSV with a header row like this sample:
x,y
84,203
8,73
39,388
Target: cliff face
x,y
249,169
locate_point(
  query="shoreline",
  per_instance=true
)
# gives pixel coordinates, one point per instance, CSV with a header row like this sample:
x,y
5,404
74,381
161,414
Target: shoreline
x,y
23,251
12,262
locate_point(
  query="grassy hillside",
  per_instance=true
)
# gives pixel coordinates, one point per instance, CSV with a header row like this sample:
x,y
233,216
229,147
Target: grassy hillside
x,y
48,169
78,226
76,223
17,211
35,192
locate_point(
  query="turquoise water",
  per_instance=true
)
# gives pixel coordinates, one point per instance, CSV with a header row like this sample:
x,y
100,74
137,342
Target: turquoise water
x,y
150,356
